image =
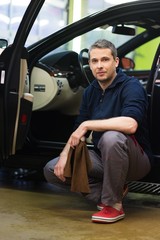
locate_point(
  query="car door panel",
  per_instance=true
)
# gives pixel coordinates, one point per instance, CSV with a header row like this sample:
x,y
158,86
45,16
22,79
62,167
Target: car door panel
x,y
12,100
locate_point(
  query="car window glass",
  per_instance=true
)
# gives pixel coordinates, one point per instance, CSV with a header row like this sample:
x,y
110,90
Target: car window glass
x,y
10,17
142,56
85,40
51,18
12,12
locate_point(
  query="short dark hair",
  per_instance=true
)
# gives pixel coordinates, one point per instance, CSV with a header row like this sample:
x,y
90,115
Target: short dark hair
x,y
103,43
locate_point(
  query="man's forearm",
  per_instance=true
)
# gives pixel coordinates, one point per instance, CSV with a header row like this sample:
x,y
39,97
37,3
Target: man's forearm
x,y
126,125
65,150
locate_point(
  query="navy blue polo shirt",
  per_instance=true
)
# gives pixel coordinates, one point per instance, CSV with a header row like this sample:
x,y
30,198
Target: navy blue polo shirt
x,y
124,97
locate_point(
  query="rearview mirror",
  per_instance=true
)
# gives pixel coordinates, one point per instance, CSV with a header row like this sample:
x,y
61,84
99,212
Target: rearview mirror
x,y
123,30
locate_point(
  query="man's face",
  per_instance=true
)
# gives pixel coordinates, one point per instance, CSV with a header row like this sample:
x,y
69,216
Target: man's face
x,y
102,64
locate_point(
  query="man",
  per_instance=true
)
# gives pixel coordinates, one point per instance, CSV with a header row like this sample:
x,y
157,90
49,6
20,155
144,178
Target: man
x,y
114,109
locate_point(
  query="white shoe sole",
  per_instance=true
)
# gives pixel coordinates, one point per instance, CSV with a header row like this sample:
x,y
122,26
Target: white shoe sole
x,y
107,220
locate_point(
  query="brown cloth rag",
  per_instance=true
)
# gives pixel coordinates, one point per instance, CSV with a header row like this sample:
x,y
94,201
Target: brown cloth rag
x,y
77,166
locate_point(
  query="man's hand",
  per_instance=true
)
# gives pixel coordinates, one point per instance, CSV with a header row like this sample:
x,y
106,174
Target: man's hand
x,y
73,141
77,135
59,167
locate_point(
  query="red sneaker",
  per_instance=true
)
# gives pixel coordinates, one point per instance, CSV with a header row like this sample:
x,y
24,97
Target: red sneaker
x,y
108,215
100,206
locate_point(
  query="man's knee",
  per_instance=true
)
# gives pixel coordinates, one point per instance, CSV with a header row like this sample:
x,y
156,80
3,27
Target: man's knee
x,y
48,170
112,138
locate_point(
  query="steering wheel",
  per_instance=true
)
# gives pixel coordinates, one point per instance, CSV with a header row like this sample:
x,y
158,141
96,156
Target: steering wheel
x,y
84,66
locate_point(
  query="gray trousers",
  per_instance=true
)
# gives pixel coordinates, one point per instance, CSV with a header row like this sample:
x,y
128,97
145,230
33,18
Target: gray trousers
x,y
122,160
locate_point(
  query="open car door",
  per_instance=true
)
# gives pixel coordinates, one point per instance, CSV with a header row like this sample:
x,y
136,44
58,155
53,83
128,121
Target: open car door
x,y
15,99
153,90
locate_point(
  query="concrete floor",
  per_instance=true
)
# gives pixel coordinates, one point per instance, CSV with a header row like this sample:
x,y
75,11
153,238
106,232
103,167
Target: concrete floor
x,y
34,210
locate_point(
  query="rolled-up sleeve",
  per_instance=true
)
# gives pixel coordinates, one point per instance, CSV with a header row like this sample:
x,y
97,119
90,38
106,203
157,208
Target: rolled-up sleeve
x,y
134,101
